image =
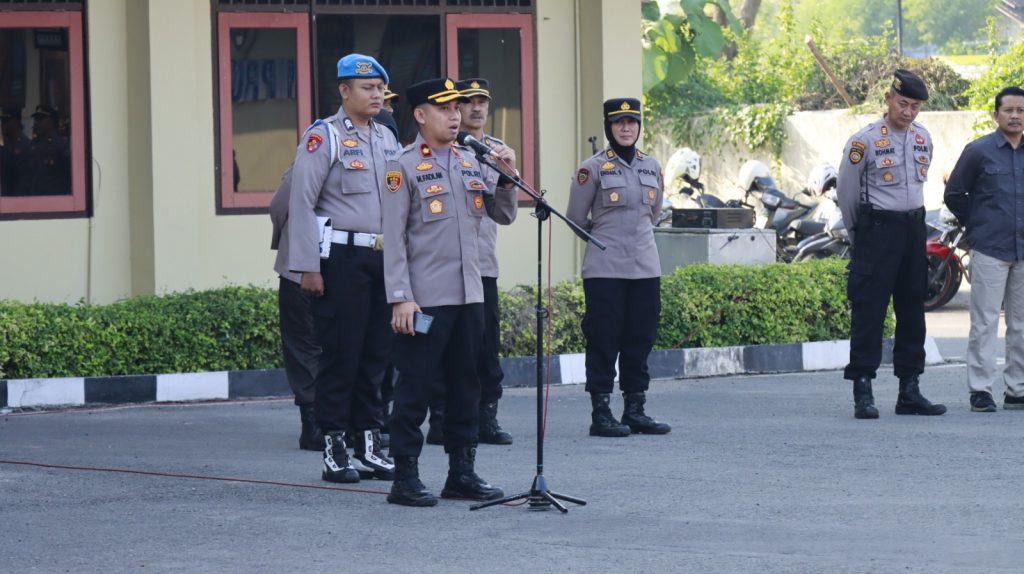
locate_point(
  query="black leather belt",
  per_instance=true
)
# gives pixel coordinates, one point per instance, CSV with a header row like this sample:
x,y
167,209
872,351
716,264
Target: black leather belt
x,y
884,215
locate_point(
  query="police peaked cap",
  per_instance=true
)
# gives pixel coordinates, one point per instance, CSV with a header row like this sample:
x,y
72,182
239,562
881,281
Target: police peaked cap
x,y
360,66
617,108
389,95
436,91
473,87
45,112
908,84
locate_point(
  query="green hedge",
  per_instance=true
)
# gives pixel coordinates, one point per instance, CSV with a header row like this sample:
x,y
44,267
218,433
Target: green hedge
x,y
236,327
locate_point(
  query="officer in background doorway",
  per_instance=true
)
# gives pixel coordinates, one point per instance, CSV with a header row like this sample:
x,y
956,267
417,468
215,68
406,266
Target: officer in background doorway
x,y
616,196
881,195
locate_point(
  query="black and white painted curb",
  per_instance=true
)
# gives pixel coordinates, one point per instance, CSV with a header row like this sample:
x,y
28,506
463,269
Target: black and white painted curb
x,y
519,372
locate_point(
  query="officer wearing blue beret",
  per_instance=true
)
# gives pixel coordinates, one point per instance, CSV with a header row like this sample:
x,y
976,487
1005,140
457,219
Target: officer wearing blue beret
x,y
337,176
881,195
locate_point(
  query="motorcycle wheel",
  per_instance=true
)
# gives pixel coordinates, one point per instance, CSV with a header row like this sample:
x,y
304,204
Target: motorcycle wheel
x,y
941,289
958,279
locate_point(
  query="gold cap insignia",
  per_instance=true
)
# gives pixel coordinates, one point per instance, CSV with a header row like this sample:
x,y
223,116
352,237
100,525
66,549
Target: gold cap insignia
x,y
449,85
624,106
474,85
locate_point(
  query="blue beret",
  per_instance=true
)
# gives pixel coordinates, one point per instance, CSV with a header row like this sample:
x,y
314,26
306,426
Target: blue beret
x,y
360,66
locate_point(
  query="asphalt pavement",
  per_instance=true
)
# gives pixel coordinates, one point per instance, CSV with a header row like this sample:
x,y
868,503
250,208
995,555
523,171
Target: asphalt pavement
x,y
760,474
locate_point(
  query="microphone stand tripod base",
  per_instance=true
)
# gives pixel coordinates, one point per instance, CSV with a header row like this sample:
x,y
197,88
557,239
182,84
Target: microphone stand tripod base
x,y
537,498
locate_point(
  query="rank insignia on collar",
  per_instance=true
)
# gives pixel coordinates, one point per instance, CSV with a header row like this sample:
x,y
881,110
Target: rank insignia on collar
x,y
465,163
349,143
356,164
614,197
582,176
884,142
607,165
919,139
424,166
611,154
425,150
313,143
639,154
435,189
885,131
349,125
436,207
393,179
478,201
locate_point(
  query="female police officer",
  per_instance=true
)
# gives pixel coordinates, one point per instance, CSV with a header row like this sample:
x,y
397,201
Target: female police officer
x,y
616,196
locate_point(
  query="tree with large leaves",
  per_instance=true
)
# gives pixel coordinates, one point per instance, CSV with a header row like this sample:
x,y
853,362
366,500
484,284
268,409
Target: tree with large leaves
x,y
672,41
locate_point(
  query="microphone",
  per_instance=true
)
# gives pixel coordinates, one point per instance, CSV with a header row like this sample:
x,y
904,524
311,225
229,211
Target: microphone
x,y
464,138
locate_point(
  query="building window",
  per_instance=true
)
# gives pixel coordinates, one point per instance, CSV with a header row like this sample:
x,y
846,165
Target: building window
x,y
43,167
264,102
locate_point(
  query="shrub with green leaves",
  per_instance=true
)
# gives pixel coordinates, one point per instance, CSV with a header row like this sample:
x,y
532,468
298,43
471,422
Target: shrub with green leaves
x,y
236,328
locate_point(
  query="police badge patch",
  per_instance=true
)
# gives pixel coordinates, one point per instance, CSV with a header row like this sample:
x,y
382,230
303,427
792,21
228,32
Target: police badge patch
x,y
856,155
582,176
313,143
393,179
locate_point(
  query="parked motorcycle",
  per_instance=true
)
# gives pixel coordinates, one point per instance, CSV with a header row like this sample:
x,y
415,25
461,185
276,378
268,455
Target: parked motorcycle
x,y
776,210
948,255
683,189
833,239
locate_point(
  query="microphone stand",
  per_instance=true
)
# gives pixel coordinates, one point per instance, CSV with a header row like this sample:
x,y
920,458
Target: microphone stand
x,y
539,497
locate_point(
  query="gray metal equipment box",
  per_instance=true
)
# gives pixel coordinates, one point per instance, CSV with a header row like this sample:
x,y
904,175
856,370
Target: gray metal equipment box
x,y
680,247
714,218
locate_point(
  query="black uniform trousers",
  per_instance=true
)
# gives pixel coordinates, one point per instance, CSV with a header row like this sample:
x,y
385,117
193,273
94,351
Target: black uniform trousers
x,y
298,340
353,326
448,352
888,261
620,321
488,365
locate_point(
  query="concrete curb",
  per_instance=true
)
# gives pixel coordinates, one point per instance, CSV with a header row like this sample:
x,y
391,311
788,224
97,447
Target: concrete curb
x,y
519,372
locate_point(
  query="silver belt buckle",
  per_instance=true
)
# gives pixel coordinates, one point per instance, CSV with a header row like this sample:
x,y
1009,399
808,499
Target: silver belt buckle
x,y
378,242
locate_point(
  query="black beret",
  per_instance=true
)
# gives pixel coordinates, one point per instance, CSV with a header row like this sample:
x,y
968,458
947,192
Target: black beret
x,y
474,87
436,91
907,83
617,108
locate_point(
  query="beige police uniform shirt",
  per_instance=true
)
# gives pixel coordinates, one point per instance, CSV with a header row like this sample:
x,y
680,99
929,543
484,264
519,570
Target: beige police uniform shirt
x,y
887,167
618,203
489,227
347,188
279,227
433,208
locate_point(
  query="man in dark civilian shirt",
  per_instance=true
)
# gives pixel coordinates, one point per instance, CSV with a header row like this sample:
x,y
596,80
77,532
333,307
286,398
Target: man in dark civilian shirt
x,y
986,193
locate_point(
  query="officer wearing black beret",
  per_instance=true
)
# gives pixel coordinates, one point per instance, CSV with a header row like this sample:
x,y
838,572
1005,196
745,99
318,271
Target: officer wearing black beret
x,y
616,195
881,195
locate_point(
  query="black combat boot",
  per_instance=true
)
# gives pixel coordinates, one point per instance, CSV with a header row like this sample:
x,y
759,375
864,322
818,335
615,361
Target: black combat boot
x,y
337,466
634,417
490,431
463,481
603,422
911,402
368,460
863,400
435,433
407,489
311,437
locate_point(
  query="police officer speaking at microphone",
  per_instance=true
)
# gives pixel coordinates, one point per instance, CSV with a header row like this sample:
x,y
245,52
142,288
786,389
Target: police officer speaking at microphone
x,y
338,174
616,196
436,197
881,196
